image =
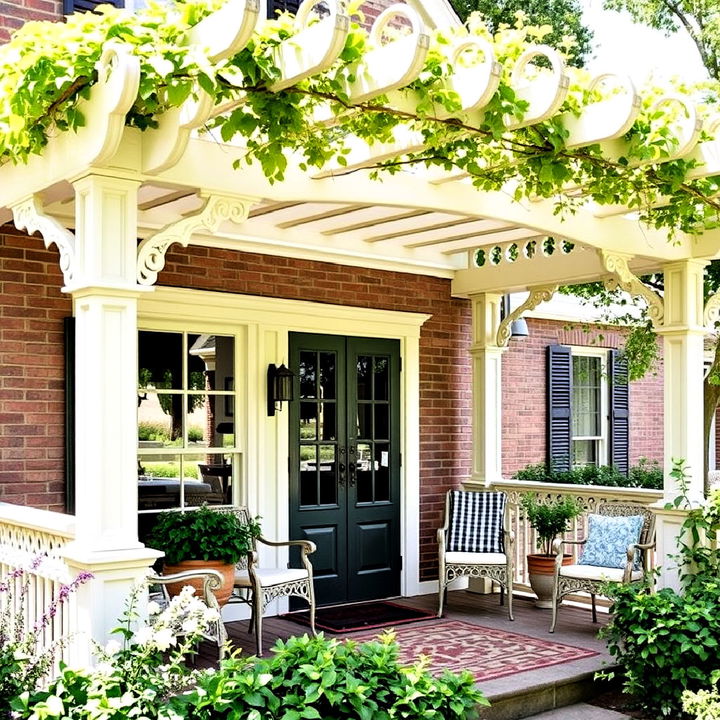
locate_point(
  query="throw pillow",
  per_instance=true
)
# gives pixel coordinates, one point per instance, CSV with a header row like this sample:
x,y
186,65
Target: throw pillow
x,y
476,522
608,540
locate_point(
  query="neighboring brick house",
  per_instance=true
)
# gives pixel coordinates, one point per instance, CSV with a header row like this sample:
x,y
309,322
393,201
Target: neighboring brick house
x,y
414,312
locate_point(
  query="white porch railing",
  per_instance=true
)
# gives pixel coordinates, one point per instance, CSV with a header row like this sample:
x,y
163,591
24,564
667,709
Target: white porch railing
x,y
590,496
32,541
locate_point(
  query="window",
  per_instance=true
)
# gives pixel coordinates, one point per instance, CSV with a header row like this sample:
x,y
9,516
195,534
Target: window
x,y
588,408
71,6
187,452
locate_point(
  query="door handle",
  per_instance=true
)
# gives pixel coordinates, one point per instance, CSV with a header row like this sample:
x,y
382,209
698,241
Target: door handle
x,y
352,474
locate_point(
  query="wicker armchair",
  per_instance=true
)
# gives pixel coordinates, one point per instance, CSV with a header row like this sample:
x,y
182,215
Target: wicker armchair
x,y
457,555
211,580
591,578
256,586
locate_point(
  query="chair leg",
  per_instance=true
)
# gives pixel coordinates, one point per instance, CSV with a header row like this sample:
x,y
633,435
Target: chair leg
x,y
502,594
594,611
311,603
509,601
442,597
555,603
257,611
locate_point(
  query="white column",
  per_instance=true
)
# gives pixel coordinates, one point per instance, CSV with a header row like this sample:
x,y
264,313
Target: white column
x,y
487,390
683,332
105,293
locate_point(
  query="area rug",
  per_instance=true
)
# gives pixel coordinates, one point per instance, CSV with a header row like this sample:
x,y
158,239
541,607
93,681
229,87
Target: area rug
x,y
487,653
361,616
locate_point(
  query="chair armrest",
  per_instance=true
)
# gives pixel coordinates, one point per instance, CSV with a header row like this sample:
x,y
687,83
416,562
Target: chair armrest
x,y
307,546
509,538
634,547
559,542
212,580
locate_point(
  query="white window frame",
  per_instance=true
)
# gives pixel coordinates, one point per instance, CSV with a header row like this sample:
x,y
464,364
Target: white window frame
x,y
604,437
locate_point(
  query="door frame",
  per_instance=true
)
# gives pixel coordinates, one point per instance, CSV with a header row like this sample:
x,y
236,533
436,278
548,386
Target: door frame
x,y
264,324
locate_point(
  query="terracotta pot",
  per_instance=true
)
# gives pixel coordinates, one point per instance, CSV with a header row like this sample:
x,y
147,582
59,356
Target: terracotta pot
x,y
227,570
541,569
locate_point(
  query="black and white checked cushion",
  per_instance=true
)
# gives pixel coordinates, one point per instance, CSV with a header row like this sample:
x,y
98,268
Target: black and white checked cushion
x,y
476,522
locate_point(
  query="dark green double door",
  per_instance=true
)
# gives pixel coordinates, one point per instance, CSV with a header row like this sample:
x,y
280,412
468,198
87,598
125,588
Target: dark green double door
x,y
345,463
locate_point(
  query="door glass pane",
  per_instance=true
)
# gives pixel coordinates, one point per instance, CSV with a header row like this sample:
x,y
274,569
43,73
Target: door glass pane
x,y
308,475
382,472
308,421
364,474
328,482
160,360
327,412
364,429
328,389
382,374
364,377
308,374
382,415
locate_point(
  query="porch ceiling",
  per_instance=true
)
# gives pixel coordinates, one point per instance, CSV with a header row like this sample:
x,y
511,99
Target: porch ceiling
x,y
414,221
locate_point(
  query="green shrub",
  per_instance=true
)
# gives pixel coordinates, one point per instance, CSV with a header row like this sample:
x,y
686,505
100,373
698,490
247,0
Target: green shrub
x,y
308,677
668,642
157,431
645,474
196,433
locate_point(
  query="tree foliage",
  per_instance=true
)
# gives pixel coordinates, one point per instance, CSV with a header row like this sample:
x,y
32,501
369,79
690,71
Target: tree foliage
x,y
563,16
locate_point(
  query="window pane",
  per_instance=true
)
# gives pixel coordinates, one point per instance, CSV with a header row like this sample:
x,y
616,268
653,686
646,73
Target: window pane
x,y
364,429
382,472
382,375
382,421
364,377
159,481
216,476
328,389
364,474
308,374
308,475
160,360
159,419
328,482
586,409
308,421
327,421
585,452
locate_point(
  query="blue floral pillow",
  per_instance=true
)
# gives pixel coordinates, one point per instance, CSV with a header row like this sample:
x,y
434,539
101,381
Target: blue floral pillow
x,y
608,540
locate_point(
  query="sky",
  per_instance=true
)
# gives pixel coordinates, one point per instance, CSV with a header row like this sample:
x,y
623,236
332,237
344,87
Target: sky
x,y
623,47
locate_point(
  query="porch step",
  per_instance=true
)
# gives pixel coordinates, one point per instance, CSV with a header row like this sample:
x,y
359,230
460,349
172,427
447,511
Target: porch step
x,y
556,699
580,711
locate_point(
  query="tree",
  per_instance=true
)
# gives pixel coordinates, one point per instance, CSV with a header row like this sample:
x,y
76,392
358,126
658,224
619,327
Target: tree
x,y
565,17
700,19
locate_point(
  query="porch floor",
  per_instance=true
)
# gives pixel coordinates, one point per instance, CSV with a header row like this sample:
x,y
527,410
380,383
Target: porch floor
x,y
516,695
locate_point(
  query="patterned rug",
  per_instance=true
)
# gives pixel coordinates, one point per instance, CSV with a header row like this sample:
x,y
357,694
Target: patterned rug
x,y
485,652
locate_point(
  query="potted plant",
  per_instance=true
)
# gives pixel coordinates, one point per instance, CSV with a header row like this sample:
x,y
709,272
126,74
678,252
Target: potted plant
x,y
202,538
549,520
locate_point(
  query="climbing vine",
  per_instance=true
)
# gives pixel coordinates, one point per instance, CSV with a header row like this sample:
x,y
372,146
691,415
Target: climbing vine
x,y
48,67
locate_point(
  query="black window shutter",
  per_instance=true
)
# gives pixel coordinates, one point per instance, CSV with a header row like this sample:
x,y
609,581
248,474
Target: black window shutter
x,y
559,394
277,6
619,452
69,328
71,6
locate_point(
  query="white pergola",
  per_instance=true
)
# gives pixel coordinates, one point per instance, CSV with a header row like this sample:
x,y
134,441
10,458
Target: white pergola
x,y
94,192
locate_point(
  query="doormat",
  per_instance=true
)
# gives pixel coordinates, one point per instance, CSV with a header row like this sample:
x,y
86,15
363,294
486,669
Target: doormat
x,y
487,653
363,616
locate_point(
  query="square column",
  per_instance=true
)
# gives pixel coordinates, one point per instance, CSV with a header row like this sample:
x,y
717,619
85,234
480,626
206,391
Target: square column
x,y
683,332
105,292
487,390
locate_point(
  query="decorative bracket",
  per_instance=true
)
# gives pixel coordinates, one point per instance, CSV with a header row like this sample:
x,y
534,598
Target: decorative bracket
x,y
711,315
539,294
29,215
216,210
624,279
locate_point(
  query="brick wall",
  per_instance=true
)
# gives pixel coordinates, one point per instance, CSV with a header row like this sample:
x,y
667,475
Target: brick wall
x,y
525,391
444,340
15,13
32,397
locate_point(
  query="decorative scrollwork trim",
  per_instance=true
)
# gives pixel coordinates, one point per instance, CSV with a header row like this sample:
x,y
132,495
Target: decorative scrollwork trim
x,y
216,210
537,295
29,215
711,315
624,279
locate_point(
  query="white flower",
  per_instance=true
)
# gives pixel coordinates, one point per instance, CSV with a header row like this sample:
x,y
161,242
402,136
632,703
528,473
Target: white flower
x,y
190,625
153,608
112,647
210,615
164,639
144,635
104,668
55,705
